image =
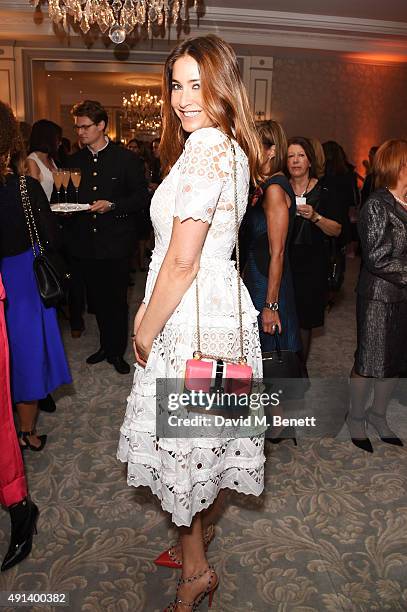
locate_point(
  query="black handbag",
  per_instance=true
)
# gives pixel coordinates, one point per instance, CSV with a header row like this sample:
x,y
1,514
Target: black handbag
x,y
49,268
337,264
285,370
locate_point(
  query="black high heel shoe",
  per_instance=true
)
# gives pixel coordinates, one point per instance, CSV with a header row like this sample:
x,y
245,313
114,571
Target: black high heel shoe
x,y
288,433
23,517
388,439
362,443
27,444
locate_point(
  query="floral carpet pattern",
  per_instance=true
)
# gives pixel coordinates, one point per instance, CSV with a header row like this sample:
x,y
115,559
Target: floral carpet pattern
x,y
328,534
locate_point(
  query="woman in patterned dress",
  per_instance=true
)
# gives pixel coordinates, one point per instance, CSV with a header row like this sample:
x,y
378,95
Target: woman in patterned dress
x,y
193,214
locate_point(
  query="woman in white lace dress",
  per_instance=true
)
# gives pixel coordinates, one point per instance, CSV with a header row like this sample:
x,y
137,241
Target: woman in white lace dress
x,y
205,106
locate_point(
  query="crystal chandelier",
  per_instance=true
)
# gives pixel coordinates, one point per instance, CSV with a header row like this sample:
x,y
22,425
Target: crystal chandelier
x,y
143,111
117,17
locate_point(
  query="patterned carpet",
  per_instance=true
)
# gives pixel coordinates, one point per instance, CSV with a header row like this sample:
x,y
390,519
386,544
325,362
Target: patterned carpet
x,y
329,533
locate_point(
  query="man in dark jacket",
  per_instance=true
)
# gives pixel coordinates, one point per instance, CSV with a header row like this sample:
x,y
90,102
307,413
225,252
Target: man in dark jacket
x,y
103,238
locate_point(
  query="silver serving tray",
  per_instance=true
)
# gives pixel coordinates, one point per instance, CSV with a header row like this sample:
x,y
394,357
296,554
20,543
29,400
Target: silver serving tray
x,y
69,207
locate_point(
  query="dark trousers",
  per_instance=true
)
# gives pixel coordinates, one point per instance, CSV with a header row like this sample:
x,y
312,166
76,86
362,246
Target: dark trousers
x,y
106,283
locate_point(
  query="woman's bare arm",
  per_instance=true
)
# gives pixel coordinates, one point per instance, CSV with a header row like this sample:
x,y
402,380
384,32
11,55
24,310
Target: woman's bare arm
x,y
33,169
328,226
276,211
177,272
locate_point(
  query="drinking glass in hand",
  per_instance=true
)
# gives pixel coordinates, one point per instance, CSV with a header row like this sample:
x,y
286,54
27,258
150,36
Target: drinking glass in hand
x,y
57,176
76,181
66,175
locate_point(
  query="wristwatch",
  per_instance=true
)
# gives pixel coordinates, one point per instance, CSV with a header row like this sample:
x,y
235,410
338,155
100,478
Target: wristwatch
x,y
317,218
112,205
271,305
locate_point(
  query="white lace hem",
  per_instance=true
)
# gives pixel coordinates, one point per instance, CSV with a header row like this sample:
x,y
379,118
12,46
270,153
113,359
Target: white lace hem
x,y
183,497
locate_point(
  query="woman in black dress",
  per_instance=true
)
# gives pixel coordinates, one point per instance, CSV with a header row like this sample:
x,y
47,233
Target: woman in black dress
x,y
318,216
381,296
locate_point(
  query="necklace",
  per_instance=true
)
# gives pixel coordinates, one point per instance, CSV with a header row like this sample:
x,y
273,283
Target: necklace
x,y
399,200
305,190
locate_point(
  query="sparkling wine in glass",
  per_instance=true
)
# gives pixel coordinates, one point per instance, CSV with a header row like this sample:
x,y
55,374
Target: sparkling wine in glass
x,y
66,175
76,181
57,176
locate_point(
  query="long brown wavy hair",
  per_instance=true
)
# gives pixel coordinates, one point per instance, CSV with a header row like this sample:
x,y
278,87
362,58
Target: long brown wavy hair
x,y
11,145
224,99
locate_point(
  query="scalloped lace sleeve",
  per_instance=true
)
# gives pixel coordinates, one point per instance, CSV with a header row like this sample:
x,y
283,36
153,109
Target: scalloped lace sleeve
x,y
202,174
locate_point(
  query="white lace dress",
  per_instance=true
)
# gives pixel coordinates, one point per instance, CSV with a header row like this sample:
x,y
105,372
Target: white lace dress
x,y
187,474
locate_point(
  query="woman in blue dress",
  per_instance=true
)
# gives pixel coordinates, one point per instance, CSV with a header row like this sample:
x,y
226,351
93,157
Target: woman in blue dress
x,y
268,227
37,358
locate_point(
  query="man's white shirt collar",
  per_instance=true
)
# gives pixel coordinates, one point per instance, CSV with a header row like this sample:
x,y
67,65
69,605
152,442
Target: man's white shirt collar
x,y
99,150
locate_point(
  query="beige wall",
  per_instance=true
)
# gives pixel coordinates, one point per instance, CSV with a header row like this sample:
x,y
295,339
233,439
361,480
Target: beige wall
x,y
358,105
7,77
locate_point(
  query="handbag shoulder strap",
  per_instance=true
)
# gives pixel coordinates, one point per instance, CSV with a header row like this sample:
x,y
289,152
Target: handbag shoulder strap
x,y
29,217
242,358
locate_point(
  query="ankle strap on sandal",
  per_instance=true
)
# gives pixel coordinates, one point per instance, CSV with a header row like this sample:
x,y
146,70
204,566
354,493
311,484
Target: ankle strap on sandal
x,y
196,577
184,603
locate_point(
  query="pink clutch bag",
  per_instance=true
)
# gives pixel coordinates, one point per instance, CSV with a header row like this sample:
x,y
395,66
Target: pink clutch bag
x,y
217,375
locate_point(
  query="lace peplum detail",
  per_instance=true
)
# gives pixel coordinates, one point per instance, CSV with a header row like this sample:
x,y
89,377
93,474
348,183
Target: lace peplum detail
x,y
187,474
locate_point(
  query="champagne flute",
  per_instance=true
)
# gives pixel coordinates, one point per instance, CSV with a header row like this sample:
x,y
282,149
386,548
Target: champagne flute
x,y
57,176
76,181
66,175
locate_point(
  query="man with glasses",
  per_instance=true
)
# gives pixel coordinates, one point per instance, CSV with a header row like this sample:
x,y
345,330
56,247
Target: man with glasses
x,y
102,239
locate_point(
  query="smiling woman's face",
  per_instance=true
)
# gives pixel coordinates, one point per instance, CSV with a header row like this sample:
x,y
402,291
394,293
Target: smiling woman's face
x,y
186,95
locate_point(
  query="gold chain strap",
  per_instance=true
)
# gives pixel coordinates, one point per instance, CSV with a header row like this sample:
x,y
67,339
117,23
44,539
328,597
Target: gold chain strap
x,y
32,226
198,353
